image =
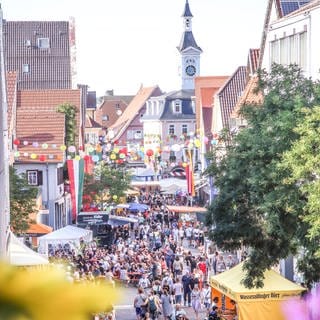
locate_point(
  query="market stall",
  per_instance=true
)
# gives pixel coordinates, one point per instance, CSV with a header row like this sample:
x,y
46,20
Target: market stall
x,y
188,214
67,236
20,255
257,303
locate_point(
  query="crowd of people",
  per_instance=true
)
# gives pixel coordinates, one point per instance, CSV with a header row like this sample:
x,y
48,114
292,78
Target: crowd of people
x,y
155,255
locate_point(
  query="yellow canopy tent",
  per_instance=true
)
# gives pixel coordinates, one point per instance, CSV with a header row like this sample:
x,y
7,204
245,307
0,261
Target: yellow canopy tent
x,y
262,303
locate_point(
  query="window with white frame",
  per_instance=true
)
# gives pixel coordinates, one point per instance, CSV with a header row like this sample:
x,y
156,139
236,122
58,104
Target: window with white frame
x,y
25,68
274,48
177,106
171,129
290,50
184,129
284,51
303,50
293,49
138,134
43,43
34,177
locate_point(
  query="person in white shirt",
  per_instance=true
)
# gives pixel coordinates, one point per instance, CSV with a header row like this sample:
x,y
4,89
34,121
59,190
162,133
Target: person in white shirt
x,y
178,290
144,282
206,296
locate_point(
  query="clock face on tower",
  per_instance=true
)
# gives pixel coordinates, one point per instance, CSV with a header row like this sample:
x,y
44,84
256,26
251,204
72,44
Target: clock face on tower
x,y
190,70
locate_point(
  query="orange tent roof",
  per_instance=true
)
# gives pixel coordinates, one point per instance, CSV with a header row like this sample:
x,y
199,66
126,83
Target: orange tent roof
x,y
186,209
39,228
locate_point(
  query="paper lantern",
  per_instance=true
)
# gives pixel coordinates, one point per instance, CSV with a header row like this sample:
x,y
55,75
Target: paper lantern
x,y
25,154
213,141
80,147
16,142
90,149
122,155
95,158
184,164
191,134
42,157
77,157
205,139
115,197
149,153
86,157
197,143
51,156
63,148
33,156
54,146
113,156
25,142
110,134
98,148
17,154
124,151
116,150
175,147
44,146
35,144
72,149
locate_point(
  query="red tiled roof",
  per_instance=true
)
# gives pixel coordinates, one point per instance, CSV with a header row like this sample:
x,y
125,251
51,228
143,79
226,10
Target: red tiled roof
x,y
91,123
230,92
11,81
109,108
249,97
38,123
253,60
39,228
132,109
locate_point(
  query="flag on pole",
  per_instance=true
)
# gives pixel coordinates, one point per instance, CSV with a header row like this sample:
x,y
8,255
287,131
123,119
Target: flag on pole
x,y
76,178
190,180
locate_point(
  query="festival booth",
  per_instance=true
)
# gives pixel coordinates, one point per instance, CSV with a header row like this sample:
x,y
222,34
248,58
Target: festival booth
x,y
20,255
187,213
257,303
67,236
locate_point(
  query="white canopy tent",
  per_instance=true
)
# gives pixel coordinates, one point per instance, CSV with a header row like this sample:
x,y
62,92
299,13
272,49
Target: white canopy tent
x,y
172,185
69,235
20,255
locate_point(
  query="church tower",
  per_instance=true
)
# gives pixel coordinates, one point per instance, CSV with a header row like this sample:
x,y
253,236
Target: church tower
x,y
189,51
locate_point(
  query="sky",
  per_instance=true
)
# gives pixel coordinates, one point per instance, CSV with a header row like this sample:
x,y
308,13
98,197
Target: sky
x,y
123,44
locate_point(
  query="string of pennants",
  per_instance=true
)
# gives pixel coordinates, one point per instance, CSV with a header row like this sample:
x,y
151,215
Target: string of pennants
x,y
53,151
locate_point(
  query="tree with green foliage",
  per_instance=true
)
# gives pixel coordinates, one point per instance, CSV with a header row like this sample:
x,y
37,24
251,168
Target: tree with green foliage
x,y
303,161
106,182
254,207
70,112
22,202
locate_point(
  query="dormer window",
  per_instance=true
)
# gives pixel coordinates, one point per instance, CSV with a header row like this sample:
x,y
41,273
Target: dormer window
x,y
177,106
43,43
25,68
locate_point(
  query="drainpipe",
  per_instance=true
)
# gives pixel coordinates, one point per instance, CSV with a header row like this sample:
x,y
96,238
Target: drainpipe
x,y
4,153
48,193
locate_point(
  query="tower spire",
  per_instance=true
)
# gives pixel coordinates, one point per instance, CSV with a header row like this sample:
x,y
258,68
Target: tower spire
x,y
189,51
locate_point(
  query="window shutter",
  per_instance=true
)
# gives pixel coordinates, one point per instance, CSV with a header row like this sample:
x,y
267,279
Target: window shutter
x,y
40,179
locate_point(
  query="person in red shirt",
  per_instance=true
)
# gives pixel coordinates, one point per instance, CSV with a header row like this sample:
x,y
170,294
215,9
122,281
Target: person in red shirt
x,y
203,267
